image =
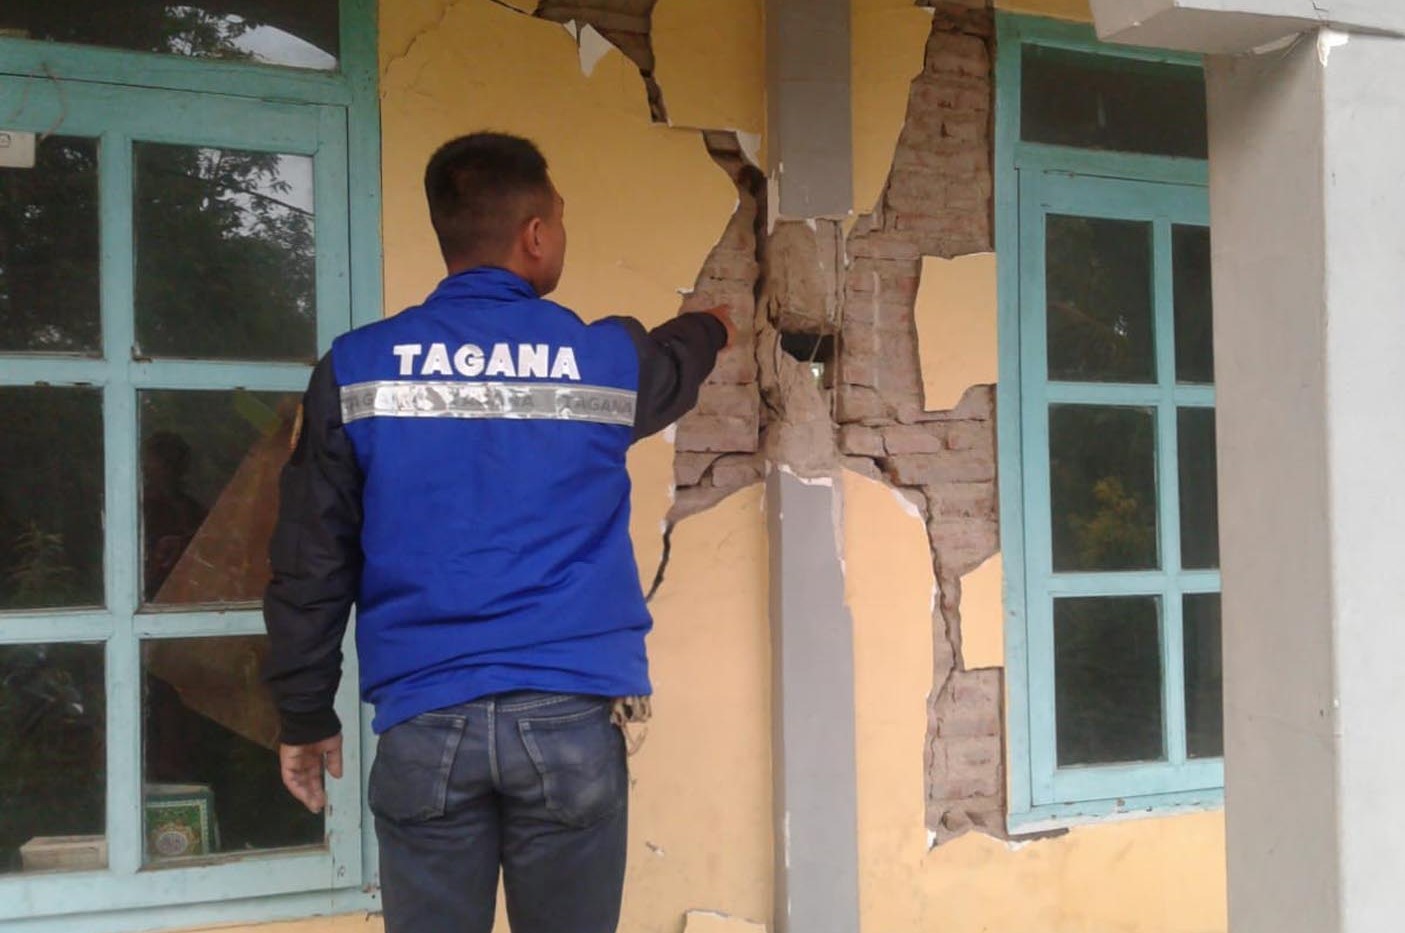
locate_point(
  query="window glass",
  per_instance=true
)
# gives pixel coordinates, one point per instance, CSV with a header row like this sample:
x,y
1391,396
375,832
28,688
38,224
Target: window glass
x,y
1195,340
51,497
302,34
1200,520
1204,677
1107,675
212,782
226,260
49,297
1099,294
1102,471
53,766
210,462
1112,102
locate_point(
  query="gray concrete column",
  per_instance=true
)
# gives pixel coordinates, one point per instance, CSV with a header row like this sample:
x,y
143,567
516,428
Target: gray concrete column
x,y
809,125
1307,202
1307,205
813,743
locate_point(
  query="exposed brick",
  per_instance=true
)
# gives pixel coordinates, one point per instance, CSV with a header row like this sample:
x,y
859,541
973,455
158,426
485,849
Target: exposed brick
x,y
970,435
977,689
857,403
963,500
689,467
734,472
967,721
736,366
915,439
736,401
862,441
717,433
935,469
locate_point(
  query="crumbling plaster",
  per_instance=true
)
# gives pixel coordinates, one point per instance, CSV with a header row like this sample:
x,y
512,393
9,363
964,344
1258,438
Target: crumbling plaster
x,y
1163,875
859,283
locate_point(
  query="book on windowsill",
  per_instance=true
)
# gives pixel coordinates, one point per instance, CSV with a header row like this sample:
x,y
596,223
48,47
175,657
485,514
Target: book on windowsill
x,y
180,821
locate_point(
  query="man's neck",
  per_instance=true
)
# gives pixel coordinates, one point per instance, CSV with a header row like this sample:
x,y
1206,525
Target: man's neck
x,y
510,264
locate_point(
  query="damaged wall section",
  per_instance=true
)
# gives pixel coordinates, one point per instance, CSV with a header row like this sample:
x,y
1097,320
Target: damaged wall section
x,y
863,410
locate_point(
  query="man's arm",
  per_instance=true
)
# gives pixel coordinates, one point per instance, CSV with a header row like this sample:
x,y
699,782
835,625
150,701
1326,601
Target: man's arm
x,y
675,359
316,558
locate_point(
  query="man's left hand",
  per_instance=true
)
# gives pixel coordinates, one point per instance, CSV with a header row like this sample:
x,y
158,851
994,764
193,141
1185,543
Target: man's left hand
x,y
303,767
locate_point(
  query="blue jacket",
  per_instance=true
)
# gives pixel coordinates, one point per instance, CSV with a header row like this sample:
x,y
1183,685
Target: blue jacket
x,y
461,477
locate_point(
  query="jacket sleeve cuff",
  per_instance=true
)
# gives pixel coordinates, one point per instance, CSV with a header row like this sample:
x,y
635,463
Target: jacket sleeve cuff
x,y
307,728
716,329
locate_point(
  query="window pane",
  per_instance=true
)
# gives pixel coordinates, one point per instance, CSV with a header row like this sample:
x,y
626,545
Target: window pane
x,y
275,32
211,760
225,254
1102,473
53,765
1195,344
210,463
49,250
51,498
1107,675
1204,678
1109,102
1200,519
1099,294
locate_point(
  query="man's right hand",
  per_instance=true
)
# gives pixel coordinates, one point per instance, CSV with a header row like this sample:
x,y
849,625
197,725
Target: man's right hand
x,y
303,767
723,313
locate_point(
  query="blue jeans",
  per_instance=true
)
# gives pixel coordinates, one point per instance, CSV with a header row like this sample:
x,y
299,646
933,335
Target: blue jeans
x,y
533,784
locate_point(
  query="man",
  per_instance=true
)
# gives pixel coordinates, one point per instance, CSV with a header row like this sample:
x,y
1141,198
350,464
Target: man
x,y
460,476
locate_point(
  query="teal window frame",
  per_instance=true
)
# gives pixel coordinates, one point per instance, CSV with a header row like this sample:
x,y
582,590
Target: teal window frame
x,y
1033,180
119,97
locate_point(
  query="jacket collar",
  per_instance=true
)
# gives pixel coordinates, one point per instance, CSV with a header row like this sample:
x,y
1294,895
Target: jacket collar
x,y
485,282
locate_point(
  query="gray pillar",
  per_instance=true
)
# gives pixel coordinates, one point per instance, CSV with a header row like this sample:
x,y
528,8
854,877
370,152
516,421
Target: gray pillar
x,y
808,113
1307,202
813,755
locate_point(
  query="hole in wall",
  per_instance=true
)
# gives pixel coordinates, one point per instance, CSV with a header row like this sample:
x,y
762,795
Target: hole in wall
x,y
815,351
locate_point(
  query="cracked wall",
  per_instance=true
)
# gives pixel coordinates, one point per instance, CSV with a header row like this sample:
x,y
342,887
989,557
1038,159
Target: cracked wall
x,y
865,412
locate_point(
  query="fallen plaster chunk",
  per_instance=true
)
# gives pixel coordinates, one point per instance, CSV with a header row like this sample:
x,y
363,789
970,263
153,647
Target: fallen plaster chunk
x,y
1327,40
593,47
711,921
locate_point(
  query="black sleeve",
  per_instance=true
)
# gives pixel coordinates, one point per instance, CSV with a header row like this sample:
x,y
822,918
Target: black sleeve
x,y
675,359
316,558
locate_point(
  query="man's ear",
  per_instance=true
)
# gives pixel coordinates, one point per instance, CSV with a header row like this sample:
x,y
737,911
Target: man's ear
x,y
532,240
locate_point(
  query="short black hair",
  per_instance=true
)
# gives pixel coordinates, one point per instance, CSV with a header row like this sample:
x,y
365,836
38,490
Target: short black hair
x,y
481,189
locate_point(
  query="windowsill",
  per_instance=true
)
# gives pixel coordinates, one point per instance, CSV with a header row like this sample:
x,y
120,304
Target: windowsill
x,y
1052,817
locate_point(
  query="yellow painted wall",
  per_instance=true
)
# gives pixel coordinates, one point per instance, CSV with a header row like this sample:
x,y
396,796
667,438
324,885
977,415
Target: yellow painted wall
x,y
711,63
886,47
1141,876
1061,9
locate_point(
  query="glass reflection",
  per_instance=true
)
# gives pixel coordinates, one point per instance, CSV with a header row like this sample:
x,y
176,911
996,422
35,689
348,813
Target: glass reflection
x,y
272,32
53,766
226,257
210,465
